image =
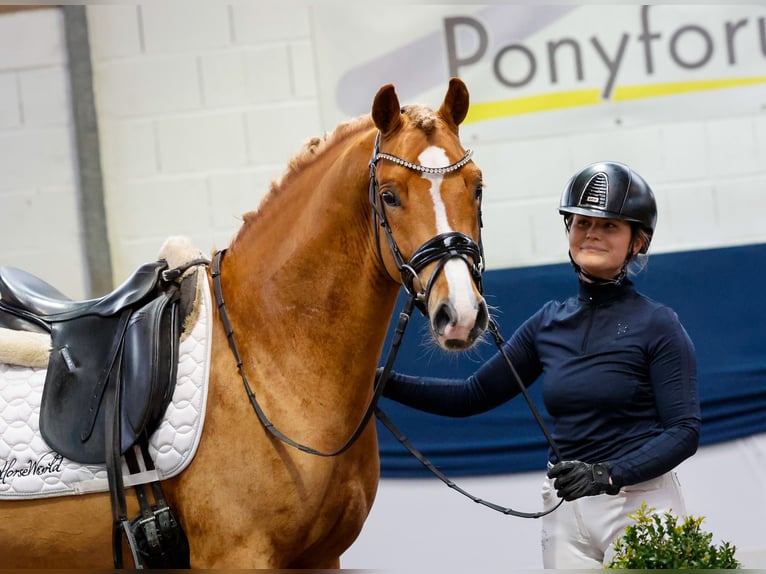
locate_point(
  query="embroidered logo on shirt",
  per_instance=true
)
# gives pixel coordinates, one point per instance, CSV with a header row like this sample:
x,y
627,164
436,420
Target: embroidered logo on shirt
x,y
622,328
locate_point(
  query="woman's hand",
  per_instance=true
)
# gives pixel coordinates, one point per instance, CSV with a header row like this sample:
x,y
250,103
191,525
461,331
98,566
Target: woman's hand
x,y
575,479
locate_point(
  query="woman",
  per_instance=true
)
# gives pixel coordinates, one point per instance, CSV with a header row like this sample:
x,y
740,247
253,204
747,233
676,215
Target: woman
x,y
619,377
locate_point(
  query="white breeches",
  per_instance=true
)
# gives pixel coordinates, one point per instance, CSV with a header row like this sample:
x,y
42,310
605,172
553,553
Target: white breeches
x,y
580,534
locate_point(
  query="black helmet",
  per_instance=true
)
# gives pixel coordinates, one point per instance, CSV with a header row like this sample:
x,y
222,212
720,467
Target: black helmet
x,y
611,190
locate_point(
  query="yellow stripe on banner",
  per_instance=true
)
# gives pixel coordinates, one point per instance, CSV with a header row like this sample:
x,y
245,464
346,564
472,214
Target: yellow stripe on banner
x,y
491,110
625,93
483,111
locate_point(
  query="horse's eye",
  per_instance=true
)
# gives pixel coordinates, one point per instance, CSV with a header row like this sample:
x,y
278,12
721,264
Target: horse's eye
x,y
390,198
479,191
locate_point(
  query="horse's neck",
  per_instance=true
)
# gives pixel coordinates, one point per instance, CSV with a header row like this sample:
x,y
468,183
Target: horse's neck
x,y
307,297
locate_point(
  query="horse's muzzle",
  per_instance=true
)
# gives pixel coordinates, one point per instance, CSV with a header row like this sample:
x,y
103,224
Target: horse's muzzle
x,y
454,332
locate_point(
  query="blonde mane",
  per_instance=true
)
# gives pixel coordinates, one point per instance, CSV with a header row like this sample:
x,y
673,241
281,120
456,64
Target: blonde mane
x,y
310,152
314,147
422,117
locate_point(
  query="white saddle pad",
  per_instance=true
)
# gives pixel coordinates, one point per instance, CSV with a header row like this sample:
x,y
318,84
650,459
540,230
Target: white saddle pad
x,y
29,468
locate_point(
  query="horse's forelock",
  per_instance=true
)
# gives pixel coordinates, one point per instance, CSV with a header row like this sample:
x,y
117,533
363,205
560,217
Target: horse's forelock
x,y
422,117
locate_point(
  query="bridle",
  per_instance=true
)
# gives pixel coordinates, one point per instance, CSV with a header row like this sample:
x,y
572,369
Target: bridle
x,y
440,248
443,247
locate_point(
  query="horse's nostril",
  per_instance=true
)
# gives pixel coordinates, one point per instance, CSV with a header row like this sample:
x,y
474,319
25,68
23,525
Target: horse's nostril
x,y
482,319
445,316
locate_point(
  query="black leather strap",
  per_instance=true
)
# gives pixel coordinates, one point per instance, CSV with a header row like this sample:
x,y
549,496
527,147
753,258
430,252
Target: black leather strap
x,y
404,441
107,375
120,523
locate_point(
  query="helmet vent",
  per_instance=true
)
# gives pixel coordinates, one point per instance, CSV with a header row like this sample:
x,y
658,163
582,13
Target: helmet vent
x,y
595,192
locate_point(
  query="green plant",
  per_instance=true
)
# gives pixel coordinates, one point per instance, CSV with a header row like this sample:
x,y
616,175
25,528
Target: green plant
x,y
657,541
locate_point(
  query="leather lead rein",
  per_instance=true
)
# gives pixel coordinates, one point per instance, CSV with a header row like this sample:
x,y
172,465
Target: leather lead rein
x,y
383,418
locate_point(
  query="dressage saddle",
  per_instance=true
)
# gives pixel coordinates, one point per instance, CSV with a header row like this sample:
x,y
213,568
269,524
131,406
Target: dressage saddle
x,y
131,334
111,375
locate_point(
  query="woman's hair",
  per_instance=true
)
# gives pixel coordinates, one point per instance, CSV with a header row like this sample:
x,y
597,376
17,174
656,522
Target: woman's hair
x,y
639,261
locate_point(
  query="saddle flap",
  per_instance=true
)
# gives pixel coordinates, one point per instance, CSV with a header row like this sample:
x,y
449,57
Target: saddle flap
x,y
83,355
89,352
16,321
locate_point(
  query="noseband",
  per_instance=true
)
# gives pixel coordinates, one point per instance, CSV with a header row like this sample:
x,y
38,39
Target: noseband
x,y
441,248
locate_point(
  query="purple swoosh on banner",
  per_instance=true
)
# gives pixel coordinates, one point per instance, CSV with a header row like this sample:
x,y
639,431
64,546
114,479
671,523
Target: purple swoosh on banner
x,y
420,65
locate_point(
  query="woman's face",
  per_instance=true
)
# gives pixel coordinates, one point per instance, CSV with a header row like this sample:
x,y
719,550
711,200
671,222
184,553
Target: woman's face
x,y
599,245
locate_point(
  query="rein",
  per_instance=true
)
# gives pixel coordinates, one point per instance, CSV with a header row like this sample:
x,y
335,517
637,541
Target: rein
x,y
442,248
404,441
378,390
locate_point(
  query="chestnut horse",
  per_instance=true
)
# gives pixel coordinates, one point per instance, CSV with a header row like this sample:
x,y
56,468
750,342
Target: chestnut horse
x,y
309,282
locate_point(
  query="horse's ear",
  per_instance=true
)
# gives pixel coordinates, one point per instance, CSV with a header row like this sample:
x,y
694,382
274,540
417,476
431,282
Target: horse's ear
x,y
455,106
386,112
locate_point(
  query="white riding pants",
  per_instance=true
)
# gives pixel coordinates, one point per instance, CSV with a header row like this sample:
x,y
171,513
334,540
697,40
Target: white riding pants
x,y
580,534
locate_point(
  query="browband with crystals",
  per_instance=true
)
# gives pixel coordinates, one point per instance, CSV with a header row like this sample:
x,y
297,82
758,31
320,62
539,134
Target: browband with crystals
x,y
421,168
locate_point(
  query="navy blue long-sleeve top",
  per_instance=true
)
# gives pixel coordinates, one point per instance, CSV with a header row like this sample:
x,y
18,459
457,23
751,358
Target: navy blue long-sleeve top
x,y
619,381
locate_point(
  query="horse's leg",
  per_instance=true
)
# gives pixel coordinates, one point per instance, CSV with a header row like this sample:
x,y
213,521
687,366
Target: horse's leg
x,y
253,522
346,506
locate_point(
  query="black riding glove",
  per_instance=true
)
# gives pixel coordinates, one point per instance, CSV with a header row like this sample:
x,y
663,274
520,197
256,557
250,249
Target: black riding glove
x,y
575,479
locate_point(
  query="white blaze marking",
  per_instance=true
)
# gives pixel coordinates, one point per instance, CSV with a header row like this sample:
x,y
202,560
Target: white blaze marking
x,y
455,271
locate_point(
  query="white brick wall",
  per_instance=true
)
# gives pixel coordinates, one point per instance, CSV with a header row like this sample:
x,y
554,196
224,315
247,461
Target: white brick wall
x,y
114,31
201,105
173,27
10,106
31,39
146,86
39,216
202,143
270,21
45,97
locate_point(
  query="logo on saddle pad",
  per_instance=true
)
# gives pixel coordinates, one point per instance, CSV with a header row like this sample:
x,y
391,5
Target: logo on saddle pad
x,y
48,463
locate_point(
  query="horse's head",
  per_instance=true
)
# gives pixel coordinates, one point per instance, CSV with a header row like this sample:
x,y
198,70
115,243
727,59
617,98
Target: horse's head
x,y
426,194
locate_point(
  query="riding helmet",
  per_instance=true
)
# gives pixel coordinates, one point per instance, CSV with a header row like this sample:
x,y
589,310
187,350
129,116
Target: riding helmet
x,y
611,190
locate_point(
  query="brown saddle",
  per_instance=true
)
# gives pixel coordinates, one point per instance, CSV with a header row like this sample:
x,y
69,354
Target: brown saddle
x,y
127,340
